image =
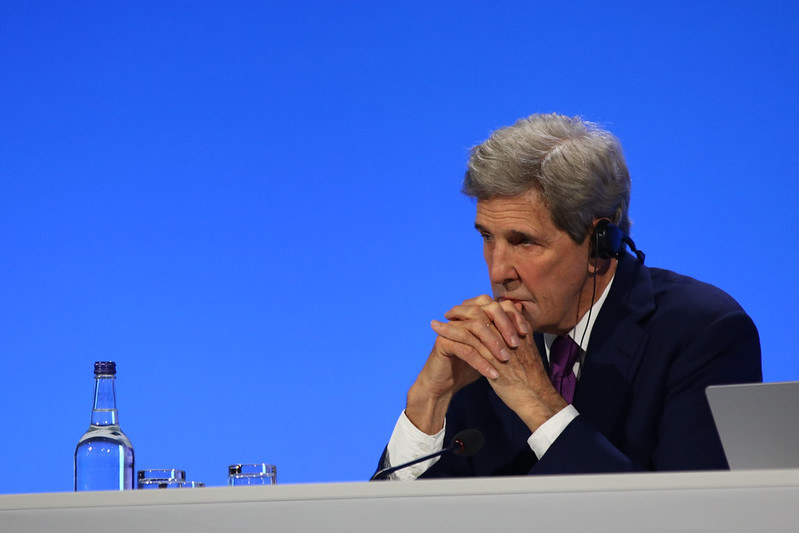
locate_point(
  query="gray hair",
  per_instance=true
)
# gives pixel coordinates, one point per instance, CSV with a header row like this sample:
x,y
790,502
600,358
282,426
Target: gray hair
x,y
576,166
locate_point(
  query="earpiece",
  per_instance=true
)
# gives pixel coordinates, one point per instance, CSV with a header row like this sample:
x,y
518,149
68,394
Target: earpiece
x,y
608,240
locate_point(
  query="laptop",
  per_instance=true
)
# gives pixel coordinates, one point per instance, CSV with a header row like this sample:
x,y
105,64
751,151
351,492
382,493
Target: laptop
x,y
758,424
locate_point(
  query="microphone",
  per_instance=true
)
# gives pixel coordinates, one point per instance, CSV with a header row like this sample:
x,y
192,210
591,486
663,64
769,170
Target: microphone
x,y
464,443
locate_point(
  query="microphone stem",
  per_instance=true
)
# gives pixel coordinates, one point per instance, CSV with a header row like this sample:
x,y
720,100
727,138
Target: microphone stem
x,y
383,474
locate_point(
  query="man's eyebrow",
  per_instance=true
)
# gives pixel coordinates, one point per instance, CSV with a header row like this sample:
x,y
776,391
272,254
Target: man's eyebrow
x,y
516,234
512,234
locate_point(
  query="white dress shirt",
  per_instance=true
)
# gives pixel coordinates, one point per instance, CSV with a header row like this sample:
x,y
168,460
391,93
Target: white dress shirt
x,y
408,442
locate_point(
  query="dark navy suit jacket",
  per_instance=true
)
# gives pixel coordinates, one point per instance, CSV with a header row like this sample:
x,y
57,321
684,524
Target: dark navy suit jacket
x,y
658,341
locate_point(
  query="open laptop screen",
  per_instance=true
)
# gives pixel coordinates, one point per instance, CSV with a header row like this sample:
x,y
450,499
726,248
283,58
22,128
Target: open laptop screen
x,y
758,423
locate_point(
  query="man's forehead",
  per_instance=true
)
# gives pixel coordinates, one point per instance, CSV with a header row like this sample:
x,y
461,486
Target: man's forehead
x,y
525,209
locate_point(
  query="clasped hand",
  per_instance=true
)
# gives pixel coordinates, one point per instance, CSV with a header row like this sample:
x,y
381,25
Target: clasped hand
x,y
487,338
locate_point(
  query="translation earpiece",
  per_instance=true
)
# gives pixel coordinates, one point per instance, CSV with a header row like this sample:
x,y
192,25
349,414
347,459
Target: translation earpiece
x,y
607,240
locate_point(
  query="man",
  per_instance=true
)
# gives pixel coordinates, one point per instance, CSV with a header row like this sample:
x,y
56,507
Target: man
x,y
632,348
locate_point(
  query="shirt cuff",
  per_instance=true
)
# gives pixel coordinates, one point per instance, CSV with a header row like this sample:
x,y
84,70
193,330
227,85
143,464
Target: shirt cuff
x,y
543,437
408,443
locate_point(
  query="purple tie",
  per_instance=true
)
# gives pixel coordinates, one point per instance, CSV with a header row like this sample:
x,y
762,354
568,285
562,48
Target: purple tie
x,y
562,356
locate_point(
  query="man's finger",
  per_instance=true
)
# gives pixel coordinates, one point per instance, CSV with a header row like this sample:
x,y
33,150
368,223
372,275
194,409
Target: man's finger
x,y
480,336
469,355
505,320
514,310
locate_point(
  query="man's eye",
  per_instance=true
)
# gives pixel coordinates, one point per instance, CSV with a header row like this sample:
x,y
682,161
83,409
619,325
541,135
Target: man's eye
x,y
485,236
524,241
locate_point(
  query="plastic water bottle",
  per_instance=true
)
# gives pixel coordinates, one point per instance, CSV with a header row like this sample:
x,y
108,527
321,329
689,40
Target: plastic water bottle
x,y
104,455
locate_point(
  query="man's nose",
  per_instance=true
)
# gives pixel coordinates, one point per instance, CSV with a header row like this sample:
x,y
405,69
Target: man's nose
x,y
500,268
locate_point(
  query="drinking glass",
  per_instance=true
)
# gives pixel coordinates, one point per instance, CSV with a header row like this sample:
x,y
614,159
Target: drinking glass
x,y
160,484
252,474
150,479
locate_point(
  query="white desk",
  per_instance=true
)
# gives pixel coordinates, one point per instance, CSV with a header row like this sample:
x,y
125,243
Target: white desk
x,y
706,501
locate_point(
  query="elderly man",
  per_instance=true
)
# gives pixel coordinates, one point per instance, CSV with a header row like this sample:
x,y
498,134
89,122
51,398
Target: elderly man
x,y
584,360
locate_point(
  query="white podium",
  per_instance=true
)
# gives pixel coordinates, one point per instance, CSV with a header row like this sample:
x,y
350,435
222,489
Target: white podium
x,y
704,501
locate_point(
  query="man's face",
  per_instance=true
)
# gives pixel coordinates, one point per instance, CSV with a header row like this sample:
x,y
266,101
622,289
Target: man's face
x,y
533,263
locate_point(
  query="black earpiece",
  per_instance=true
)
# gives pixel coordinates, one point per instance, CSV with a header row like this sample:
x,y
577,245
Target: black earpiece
x,y
608,241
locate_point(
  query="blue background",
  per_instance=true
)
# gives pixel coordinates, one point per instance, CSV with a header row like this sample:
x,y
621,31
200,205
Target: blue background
x,y
253,207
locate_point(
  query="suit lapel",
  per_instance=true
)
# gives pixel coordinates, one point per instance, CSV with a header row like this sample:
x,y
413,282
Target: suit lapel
x,y
615,347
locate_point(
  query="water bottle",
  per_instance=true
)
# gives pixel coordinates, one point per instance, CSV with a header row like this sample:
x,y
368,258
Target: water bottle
x,y
104,455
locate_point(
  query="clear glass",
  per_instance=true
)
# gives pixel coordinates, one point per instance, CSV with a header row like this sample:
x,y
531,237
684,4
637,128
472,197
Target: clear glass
x,y
104,455
159,474
148,484
252,474
160,484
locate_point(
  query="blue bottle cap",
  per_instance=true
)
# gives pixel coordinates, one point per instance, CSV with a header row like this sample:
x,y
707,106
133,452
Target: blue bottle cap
x,y
105,367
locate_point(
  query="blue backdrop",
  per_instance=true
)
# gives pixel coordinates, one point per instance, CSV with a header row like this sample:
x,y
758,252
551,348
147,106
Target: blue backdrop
x,y
253,207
